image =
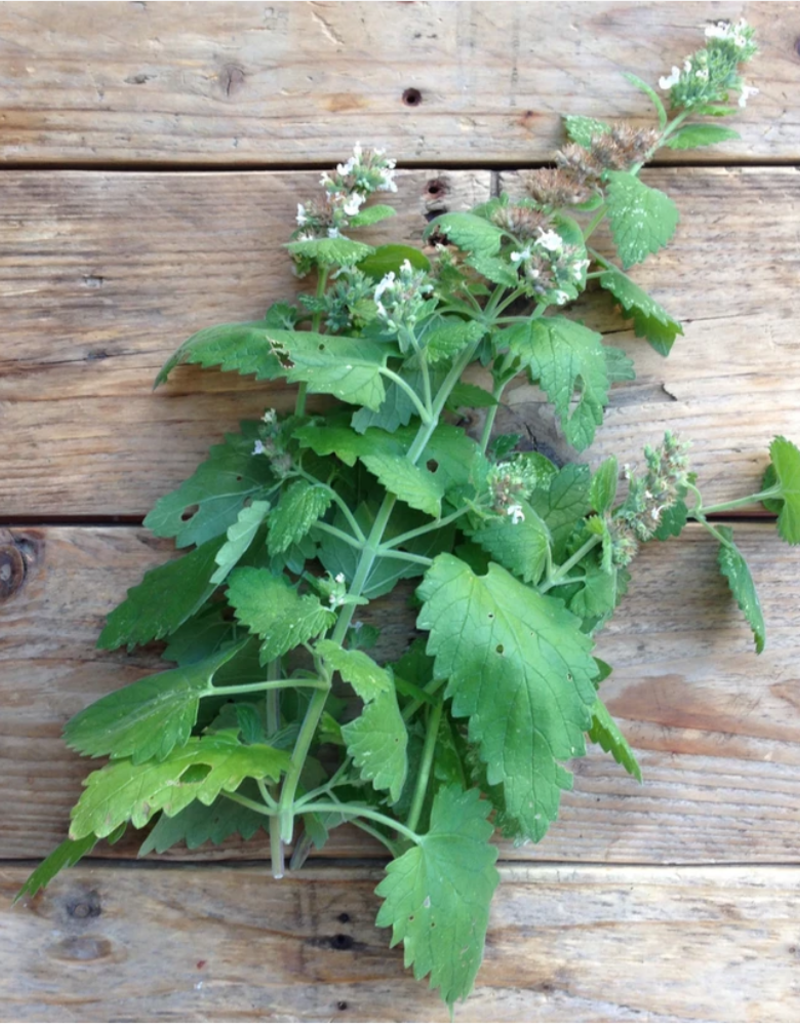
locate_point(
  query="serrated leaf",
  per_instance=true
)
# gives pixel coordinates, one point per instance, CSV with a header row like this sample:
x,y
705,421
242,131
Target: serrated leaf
x,y
200,637
372,215
566,359
200,770
164,600
331,251
242,347
597,597
65,855
650,320
206,504
652,95
397,408
387,259
448,335
470,233
603,489
619,366
563,504
642,219
470,396
437,895
673,520
240,536
494,269
366,677
272,608
605,731
377,741
519,547
146,719
197,824
786,462
734,568
520,669
300,507
415,486
581,129
694,135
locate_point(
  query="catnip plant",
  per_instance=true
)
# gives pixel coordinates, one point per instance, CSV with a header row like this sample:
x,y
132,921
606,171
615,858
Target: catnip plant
x,y
273,714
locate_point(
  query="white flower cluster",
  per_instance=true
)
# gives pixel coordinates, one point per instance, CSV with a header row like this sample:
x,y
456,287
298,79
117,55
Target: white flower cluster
x,y
708,74
548,256
737,34
399,298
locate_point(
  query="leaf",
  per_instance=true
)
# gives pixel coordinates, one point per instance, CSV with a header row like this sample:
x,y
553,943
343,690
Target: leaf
x,y
470,233
693,135
242,347
372,214
388,259
605,731
519,667
642,219
786,462
734,568
619,366
470,396
581,129
563,504
650,320
597,597
448,335
300,507
437,895
397,408
520,547
240,537
652,95
331,251
348,368
366,677
415,486
164,600
146,719
200,637
197,824
565,358
206,504
603,489
377,741
673,520
123,791
272,608
65,855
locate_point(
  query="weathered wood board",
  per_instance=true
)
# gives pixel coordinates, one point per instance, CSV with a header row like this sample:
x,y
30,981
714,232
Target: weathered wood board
x,y
249,84
564,944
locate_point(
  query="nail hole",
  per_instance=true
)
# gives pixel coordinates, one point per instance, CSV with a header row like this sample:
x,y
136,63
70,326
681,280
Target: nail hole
x,y
342,942
341,1005
344,917
412,97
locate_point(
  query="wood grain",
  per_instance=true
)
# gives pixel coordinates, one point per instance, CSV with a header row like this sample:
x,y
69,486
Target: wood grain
x,y
715,727
291,84
103,275
564,944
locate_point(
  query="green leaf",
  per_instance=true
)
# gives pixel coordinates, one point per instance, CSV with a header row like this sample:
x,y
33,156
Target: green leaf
x,y
387,259
272,608
200,637
470,396
605,731
377,741
581,129
200,770
786,462
511,655
164,600
597,597
417,487
642,219
206,504
650,320
331,251
470,233
619,366
603,489
146,719
240,537
366,677
300,507
653,96
566,359
242,347
519,547
693,135
65,855
348,368
734,568
397,408
448,335
372,214
196,824
437,895
563,504
673,520
715,110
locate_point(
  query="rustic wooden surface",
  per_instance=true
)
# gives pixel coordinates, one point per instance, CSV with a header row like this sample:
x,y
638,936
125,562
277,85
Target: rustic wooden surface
x,y
676,900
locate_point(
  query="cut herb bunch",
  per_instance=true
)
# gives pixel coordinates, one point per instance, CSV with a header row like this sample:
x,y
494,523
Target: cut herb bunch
x,y
273,714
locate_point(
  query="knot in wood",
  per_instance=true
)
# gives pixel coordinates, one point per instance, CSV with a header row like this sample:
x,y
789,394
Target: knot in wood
x,y
12,570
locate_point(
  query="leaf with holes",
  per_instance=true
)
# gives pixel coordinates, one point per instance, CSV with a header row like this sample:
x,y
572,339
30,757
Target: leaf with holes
x,y
417,487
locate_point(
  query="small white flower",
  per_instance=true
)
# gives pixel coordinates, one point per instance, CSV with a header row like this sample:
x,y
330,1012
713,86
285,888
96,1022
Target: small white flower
x,y
387,183
687,65
746,93
343,170
385,282
258,448
352,204
702,74
719,30
550,240
516,513
561,298
520,257
357,151
268,417
302,217
334,233
339,577
325,179
667,81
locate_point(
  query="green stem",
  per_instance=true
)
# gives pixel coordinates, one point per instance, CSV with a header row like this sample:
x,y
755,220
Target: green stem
x,y
355,811
424,413
273,710
431,735
299,755
340,534
403,538
408,556
269,684
336,497
411,709
322,280
570,563
727,506
252,805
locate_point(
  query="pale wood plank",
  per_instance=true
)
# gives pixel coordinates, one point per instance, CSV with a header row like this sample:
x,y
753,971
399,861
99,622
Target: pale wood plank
x,y
103,275
564,944
716,728
246,84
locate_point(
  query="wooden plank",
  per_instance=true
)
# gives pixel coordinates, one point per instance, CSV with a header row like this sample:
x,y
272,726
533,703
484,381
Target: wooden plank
x,y
564,944
243,84
103,275
716,728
